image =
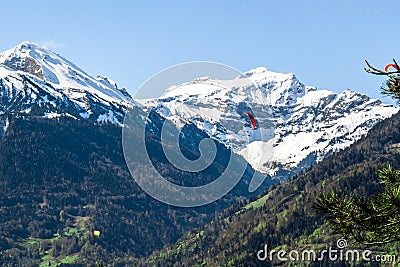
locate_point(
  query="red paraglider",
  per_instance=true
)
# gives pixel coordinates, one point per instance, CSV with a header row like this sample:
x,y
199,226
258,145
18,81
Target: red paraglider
x,y
391,65
253,121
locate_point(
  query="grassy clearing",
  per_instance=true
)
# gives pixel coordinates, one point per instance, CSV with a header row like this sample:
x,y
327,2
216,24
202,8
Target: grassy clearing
x,y
257,203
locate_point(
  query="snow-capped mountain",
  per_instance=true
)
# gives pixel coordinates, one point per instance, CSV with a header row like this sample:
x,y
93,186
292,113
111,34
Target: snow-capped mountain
x,y
307,124
297,125
38,81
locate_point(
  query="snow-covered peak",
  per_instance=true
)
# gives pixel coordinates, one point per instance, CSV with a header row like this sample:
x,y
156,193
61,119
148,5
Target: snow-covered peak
x,y
258,85
32,58
281,88
256,71
50,67
35,80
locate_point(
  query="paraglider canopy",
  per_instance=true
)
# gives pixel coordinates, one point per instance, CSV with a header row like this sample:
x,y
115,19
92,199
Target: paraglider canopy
x,y
391,65
253,121
96,233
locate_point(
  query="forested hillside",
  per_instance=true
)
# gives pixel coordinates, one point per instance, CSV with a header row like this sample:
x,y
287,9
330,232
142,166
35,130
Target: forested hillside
x,y
284,217
61,179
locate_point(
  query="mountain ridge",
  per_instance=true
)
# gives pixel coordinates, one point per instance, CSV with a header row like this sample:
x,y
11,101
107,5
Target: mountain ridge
x,y
298,125
308,123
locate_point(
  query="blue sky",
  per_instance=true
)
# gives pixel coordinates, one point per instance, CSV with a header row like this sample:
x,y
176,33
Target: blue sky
x,y
323,42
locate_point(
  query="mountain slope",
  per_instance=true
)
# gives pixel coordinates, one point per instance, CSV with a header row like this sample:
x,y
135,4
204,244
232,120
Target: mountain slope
x,y
62,178
63,174
283,218
297,125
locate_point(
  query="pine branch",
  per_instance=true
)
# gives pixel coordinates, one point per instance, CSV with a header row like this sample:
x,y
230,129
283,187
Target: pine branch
x,y
376,71
375,220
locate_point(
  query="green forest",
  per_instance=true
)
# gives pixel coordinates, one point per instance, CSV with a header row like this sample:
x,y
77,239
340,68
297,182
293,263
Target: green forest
x,y
62,179
284,216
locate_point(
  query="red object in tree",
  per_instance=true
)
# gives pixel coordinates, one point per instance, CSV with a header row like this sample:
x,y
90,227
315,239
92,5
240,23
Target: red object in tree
x,y
253,121
391,65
